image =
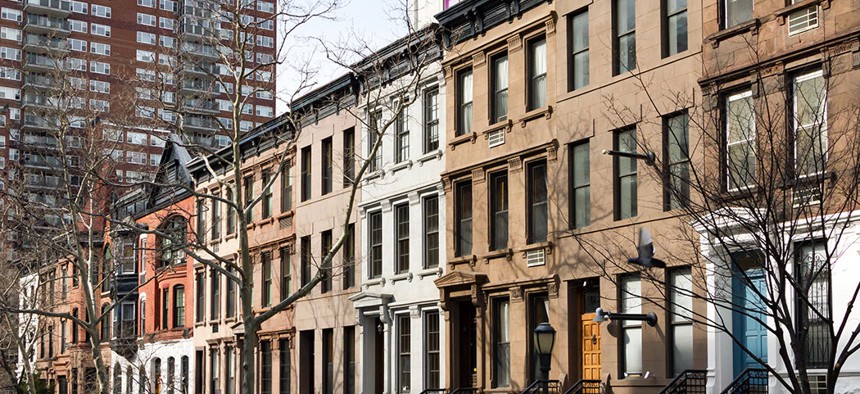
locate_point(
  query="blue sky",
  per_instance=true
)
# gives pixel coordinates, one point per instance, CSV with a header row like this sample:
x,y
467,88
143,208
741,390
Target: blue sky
x,y
356,22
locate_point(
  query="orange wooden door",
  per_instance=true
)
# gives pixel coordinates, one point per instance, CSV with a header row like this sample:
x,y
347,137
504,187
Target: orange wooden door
x,y
590,348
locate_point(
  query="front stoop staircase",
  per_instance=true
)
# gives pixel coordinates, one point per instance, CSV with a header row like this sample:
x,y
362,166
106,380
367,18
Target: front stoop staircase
x,y
690,381
584,386
543,387
750,381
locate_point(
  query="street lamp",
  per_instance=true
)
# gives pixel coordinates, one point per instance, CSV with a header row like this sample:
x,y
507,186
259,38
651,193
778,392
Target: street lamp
x,y
544,340
601,316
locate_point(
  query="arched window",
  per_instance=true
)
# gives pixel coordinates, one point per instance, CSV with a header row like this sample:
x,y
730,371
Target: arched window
x,y
184,372
171,241
171,372
117,379
178,306
107,270
128,379
105,322
156,376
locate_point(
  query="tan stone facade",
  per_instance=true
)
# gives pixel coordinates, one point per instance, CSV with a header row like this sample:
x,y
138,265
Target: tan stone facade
x,y
498,291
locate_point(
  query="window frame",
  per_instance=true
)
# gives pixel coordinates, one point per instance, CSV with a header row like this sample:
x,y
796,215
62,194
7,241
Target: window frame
x,y
431,230
178,310
618,35
498,114
618,176
431,119
534,228
574,52
326,166
574,186
463,195
401,137
401,237
534,78
667,15
680,193
802,318
404,352
820,121
727,99
464,121
499,210
498,342
682,321
629,325
375,244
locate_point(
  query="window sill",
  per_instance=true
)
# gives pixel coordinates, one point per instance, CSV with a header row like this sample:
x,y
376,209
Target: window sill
x,y
460,140
266,221
400,166
437,271
782,13
545,112
373,282
507,125
373,175
749,26
507,254
470,259
548,246
230,236
434,154
285,214
407,276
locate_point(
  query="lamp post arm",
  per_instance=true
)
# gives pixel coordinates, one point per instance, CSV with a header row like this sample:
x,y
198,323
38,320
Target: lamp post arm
x,y
649,157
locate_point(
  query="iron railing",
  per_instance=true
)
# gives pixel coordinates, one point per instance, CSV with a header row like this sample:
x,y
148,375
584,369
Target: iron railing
x,y
543,387
435,391
466,390
584,386
750,381
689,381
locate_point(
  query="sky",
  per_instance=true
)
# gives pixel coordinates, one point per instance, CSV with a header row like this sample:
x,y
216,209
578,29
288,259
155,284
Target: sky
x,y
355,24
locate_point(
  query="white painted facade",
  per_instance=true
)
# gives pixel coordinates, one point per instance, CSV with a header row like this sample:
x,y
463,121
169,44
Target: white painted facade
x,y
28,325
393,297
844,282
147,356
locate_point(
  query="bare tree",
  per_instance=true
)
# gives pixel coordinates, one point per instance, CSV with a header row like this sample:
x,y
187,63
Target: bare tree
x,y
764,185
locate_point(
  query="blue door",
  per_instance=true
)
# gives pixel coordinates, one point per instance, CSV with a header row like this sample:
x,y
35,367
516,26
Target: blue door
x,y
746,326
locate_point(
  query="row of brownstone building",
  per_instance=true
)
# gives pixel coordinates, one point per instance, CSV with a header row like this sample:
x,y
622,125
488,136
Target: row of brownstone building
x,y
490,209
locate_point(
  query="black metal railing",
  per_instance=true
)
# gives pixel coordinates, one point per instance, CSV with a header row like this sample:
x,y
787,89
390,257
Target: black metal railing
x,y
750,381
543,387
466,390
689,381
584,386
435,391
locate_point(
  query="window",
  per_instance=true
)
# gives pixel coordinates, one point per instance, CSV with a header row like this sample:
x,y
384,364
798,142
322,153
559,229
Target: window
x,y
463,218
328,361
266,201
814,306
631,338
501,343
265,367
146,3
142,317
537,201
348,156
201,296
306,173
100,11
287,187
579,63
432,354
283,366
145,19
537,73
401,218
464,102
810,123
537,312
286,272
431,120
803,19
165,308
99,30
170,245
78,26
675,26
215,299
266,268
215,371
248,183
216,219
374,129
306,260
184,371
117,379
146,38
681,319
327,164
178,306
401,138
498,210
677,189
404,350
77,45
325,247
625,175
736,12
231,294
624,27
99,68
580,184
739,118
431,232
374,223
499,80
349,257
231,213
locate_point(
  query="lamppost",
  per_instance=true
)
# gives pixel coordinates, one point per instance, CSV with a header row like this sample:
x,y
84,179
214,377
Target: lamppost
x,y
544,340
601,316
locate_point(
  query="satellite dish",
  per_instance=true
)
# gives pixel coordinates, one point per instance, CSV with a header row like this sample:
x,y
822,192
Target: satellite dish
x,y
646,251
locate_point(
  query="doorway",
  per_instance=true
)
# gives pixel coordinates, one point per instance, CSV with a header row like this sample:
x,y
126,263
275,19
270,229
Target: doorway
x,y
464,357
748,282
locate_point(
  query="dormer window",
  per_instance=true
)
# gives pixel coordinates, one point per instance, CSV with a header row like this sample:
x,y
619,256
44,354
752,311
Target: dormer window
x,y
171,241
